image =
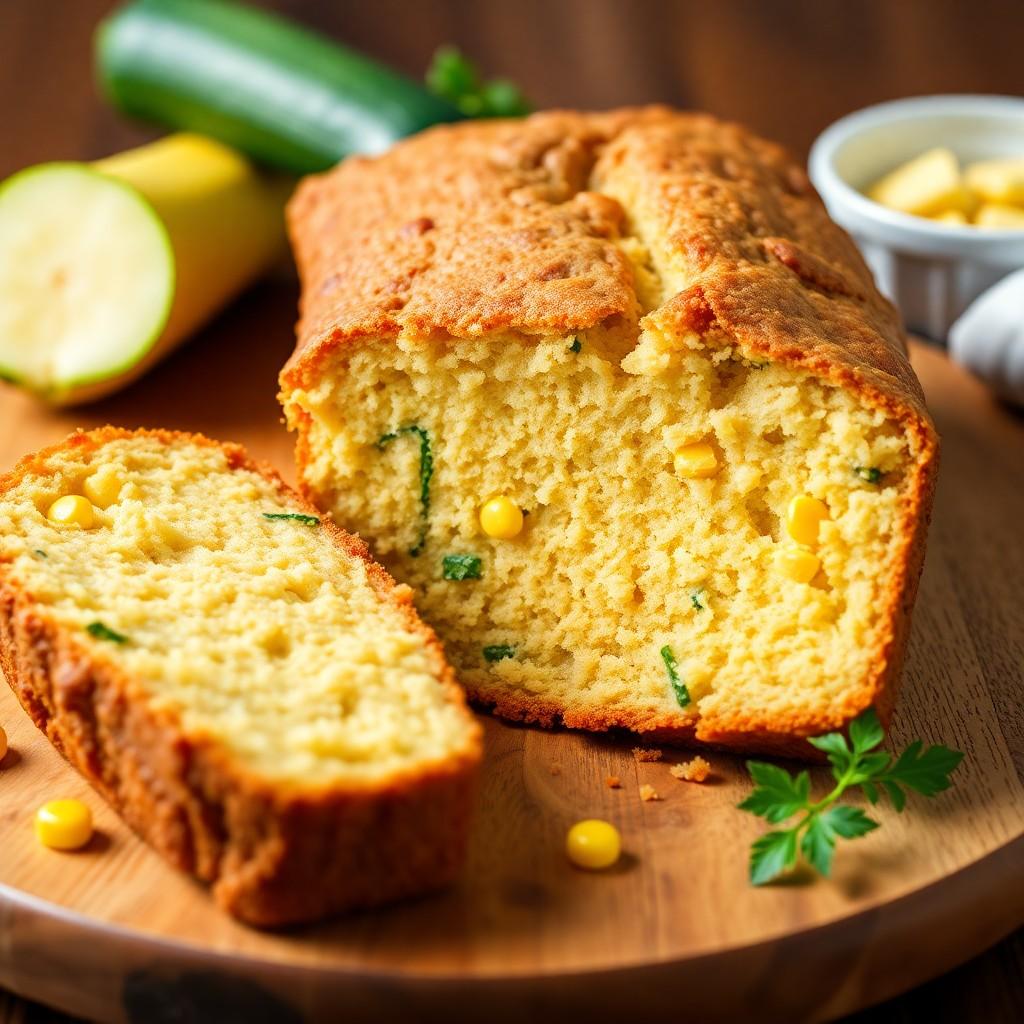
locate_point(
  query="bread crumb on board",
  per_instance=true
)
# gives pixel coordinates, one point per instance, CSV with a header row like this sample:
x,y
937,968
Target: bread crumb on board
x,y
694,770
613,782
646,754
648,793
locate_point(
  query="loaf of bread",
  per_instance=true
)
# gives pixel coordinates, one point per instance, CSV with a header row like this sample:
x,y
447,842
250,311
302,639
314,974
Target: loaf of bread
x,y
642,330
236,676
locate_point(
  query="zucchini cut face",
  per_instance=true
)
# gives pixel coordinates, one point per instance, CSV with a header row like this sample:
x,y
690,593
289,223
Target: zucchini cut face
x,y
87,278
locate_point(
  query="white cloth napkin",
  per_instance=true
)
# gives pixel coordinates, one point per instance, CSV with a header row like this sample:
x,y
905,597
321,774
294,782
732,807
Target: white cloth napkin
x,y
988,339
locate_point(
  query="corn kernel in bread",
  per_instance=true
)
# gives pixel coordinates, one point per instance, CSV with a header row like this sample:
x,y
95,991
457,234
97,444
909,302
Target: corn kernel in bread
x,y
642,329
236,677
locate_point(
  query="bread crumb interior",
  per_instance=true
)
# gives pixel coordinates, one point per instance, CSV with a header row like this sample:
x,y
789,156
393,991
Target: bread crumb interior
x,y
619,556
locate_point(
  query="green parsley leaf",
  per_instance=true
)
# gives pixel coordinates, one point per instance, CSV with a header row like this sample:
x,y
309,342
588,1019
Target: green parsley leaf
x,y
101,632
818,845
896,795
869,474
672,668
834,745
866,768
772,854
40,553
461,567
695,600
576,345
456,79
831,743
866,731
451,75
502,98
839,821
777,795
426,472
298,517
498,652
848,822
925,772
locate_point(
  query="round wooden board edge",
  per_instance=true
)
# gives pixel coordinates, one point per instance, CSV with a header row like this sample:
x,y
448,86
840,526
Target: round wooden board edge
x,y
819,974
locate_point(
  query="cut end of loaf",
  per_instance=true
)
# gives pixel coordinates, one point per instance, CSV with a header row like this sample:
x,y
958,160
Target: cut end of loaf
x,y
641,327
636,595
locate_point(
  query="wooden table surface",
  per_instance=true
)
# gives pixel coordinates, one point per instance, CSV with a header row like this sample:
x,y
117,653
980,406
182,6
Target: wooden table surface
x,y
785,68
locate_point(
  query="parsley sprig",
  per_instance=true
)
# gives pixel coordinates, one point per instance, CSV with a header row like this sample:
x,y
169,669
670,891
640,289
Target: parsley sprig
x,y
456,78
779,795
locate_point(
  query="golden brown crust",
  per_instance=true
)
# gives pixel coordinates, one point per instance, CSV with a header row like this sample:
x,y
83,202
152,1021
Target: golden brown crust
x,y
274,854
463,232
477,228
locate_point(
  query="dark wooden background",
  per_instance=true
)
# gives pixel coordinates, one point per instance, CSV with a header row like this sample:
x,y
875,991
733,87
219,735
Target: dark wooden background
x,y
785,67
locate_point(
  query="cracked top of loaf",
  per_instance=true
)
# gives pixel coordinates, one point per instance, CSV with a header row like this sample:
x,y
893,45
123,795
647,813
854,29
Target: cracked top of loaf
x,y
534,226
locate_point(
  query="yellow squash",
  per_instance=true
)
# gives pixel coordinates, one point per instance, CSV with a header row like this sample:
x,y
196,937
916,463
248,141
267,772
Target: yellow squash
x,y
107,267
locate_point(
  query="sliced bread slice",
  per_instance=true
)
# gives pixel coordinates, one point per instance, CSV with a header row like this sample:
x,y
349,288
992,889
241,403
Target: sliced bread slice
x,y
234,674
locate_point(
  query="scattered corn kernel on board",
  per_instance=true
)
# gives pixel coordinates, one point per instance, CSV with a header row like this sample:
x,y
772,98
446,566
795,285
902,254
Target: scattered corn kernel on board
x,y
110,932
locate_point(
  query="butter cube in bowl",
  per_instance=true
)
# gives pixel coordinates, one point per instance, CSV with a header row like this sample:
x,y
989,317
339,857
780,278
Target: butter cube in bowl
x,y
997,181
932,190
930,185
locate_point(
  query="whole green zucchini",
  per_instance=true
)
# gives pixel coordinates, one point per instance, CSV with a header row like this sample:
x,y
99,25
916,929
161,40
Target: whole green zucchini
x,y
286,96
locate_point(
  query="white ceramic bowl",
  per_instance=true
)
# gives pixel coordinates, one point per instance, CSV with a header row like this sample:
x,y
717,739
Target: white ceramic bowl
x,y
931,271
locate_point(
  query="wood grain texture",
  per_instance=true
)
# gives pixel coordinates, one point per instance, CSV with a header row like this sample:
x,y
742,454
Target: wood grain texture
x,y
787,69
523,928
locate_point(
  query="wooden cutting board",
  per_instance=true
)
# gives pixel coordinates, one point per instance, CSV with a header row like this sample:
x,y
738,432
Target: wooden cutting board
x,y
112,933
